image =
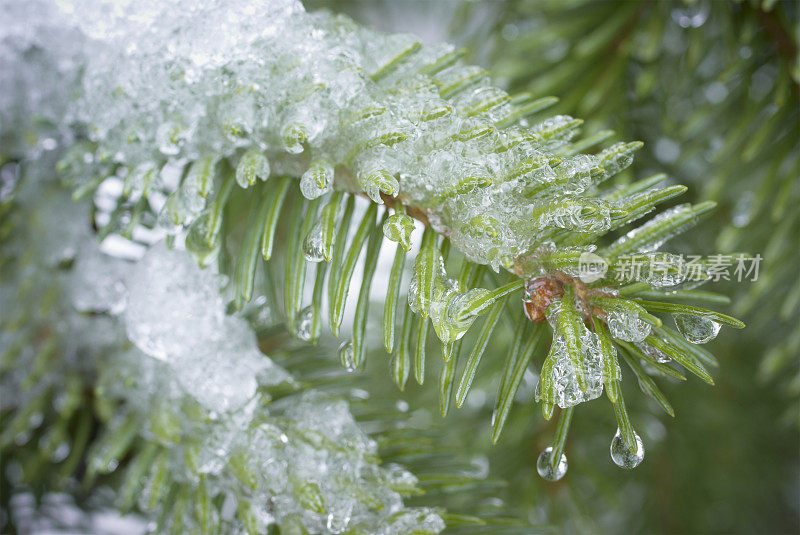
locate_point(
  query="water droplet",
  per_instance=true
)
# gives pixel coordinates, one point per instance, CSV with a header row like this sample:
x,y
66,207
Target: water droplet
x,y
653,353
317,180
696,329
201,243
691,16
622,456
60,453
546,470
302,324
313,245
347,356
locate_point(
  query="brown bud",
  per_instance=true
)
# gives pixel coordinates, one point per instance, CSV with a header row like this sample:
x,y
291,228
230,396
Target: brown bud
x,y
539,293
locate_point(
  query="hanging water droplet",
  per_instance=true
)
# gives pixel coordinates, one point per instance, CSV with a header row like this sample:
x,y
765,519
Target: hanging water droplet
x,y
622,456
547,470
317,180
201,241
60,453
347,356
696,329
302,324
314,245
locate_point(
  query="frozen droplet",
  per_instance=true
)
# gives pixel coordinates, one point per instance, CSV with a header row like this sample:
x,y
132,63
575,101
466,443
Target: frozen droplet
x,y
292,138
627,325
624,457
347,356
169,137
252,165
398,228
567,392
547,470
302,324
374,181
337,523
317,180
313,245
696,329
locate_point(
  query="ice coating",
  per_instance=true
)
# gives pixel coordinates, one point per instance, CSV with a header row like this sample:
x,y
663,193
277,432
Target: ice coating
x,y
567,391
565,381
305,460
393,118
306,450
443,300
175,313
625,324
